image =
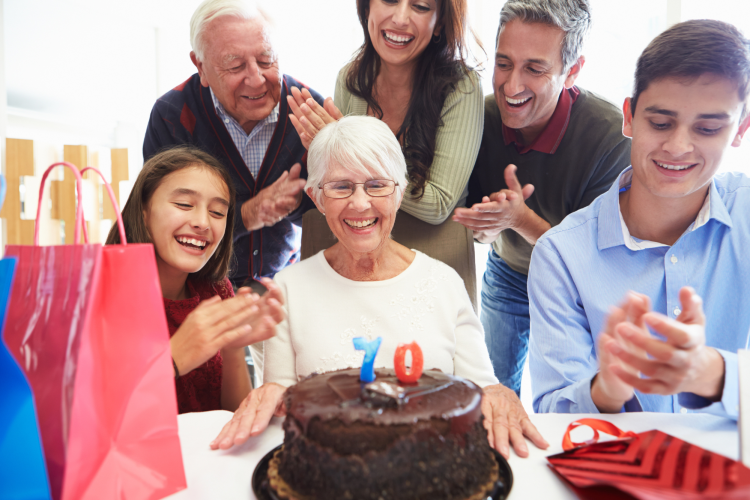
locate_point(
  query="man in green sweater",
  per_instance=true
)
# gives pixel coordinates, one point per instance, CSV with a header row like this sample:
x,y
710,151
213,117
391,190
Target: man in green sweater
x,y
548,149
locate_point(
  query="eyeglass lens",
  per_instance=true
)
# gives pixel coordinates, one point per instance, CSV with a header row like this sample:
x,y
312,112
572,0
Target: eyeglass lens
x,y
373,187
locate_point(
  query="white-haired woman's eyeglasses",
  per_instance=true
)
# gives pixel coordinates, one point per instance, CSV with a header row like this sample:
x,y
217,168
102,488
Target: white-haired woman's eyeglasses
x,y
344,189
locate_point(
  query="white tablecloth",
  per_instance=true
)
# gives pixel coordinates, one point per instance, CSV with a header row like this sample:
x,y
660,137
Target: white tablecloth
x,y
227,474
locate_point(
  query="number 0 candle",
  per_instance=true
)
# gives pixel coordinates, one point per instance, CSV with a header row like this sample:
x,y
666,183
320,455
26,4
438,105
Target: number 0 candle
x,y
367,373
417,362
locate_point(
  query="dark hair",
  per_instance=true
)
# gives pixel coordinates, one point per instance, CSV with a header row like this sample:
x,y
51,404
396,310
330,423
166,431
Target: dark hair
x,y
439,69
691,49
151,176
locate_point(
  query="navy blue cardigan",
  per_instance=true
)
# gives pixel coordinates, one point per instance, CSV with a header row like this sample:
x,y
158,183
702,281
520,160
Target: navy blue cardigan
x,y
186,115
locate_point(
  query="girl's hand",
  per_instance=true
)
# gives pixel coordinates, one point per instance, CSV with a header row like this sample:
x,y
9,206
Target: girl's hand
x,y
270,313
252,417
308,116
216,324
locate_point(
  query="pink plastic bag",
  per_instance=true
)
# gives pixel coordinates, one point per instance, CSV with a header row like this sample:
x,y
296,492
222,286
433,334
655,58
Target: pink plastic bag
x,y
87,325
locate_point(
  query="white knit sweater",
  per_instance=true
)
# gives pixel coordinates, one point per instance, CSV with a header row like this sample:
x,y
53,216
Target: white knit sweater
x,y
325,311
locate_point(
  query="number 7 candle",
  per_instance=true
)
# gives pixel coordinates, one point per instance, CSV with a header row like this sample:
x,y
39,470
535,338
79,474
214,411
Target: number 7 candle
x,y
367,373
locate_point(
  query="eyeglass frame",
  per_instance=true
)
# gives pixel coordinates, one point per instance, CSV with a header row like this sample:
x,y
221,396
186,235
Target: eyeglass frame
x,y
354,188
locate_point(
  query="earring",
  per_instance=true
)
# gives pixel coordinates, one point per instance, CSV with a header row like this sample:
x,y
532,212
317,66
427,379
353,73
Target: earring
x,y
437,38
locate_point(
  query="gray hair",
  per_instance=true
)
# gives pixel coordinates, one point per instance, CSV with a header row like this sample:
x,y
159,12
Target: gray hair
x,y
360,144
209,10
571,16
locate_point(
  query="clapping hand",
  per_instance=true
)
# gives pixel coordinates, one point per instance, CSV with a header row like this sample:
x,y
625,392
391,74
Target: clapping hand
x,y
275,202
217,324
506,420
681,362
505,209
309,117
269,313
608,390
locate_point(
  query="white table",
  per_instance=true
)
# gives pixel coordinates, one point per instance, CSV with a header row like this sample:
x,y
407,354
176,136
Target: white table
x,y
227,474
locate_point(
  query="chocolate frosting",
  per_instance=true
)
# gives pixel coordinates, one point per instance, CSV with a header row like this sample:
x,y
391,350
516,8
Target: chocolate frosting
x,y
341,395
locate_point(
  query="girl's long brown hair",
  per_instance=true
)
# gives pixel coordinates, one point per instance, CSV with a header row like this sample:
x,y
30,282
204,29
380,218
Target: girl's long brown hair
x,y
439,69
151,176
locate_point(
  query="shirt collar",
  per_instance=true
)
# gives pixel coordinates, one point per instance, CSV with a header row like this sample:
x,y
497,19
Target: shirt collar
x,y
612,228
552,135
271,118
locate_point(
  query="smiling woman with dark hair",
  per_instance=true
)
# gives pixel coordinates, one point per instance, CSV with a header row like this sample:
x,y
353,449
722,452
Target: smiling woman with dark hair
x,y
412,73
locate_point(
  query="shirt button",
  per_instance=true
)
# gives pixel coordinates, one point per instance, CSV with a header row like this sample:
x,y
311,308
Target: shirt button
x,y
683,410
674,259
226,120
255,252
676,311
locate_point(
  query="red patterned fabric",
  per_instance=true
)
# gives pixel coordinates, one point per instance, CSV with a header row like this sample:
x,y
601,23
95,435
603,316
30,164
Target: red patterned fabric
x,y
199,390
187,119
648,466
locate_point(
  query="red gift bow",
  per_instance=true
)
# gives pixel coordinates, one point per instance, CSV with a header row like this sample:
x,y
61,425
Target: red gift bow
x,y
648,466
596,425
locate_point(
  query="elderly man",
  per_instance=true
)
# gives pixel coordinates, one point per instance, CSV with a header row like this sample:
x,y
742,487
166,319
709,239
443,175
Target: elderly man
x,y
669,229
564,145
235,108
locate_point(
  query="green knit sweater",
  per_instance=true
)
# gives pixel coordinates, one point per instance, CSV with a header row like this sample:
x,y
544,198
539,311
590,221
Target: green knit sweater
x,y
456,146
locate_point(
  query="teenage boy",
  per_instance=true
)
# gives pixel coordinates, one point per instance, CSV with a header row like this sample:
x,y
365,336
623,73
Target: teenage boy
x,y
668,230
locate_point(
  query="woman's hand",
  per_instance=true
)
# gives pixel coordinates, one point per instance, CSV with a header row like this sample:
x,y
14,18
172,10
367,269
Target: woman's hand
x,y
505,419
308,116
216,324
252,417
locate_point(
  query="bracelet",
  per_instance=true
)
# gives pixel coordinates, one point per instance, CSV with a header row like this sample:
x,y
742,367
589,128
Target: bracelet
x,y
176,371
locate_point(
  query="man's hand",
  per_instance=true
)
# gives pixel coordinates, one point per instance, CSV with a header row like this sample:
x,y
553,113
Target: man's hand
x,y
275,202
681,362
502,210
608,391
308,117
252,417
506,420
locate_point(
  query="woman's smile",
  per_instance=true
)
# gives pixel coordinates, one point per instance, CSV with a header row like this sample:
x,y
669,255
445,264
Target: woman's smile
x,y
361,223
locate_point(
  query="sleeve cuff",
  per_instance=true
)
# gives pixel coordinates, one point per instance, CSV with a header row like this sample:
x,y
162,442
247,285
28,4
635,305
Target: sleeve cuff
x,y
729,405
586,404
581,401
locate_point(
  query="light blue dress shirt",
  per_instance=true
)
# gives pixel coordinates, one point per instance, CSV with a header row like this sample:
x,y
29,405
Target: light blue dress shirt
x,y
252,146
589,261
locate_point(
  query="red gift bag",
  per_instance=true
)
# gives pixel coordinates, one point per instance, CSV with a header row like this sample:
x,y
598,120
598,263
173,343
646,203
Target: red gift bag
x,y
647,466
87,325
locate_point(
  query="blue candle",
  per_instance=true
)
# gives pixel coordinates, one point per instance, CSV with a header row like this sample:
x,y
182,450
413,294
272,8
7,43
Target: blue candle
x,y
367,373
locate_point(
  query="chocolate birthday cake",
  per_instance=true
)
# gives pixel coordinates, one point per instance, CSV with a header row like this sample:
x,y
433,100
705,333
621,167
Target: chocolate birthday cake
x,y
345,439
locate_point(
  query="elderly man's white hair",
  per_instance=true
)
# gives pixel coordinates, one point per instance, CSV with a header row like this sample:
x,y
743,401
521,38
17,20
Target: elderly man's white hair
x,y
211,9
360,144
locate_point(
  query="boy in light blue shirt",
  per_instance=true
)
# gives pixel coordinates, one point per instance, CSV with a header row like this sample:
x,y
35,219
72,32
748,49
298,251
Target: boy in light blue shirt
x,y
666,234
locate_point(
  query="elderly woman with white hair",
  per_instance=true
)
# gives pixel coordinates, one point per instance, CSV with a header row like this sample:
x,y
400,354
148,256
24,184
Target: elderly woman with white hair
x,y
367,285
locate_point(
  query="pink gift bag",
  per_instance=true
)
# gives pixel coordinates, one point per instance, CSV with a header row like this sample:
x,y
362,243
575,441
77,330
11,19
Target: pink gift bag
x,y
87,325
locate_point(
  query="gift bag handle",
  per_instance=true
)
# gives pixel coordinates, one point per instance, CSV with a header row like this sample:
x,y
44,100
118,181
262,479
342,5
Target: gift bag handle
x,y
3,188
120,224
79,205
596,425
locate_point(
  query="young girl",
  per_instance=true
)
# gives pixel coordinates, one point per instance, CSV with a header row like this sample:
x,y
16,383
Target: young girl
x,y
181,202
